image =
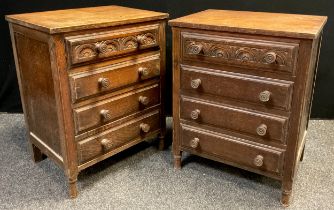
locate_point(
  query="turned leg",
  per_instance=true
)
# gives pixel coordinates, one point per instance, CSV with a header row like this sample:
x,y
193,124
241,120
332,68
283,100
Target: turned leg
x,y
302,155
73,187
37,154
161,141
162,133
286,193
177,159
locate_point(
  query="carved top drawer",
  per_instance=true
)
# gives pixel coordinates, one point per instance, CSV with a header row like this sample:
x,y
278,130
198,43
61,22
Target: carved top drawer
x,y
250,53
95,46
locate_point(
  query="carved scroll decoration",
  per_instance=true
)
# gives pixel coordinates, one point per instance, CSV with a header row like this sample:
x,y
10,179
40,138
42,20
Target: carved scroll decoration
x,y
85,52
239,54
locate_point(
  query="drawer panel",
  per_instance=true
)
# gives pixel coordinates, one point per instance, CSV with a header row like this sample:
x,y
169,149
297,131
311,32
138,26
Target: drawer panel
x,y
115,76
250,53
260,125
262,91
97,46
135,130
105,111
232,149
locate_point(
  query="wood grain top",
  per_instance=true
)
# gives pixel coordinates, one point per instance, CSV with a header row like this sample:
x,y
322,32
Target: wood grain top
x,y
277,24
59,21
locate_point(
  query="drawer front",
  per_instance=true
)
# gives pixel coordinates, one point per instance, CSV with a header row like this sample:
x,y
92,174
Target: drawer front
x,y
115,76
135,130
262,91
232,149
266,127
97,46
250,53
105,111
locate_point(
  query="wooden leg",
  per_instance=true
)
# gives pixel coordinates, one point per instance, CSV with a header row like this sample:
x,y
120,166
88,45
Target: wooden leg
x,y
286,193
302,155
285,200
161,142
177,159
73,188
37,154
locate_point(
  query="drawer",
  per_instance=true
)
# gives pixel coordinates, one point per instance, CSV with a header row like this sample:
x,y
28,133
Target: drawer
x,y
115,76
267,92
134,130
260,125
251,53
108,44
232,150
105,111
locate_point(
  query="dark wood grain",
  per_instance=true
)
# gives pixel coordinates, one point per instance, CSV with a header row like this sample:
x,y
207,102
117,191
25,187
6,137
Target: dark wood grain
x,y
90,116
60,21
232,118
86,75
232,150
239,87
87,83
242,89
92,147
251,53
265,23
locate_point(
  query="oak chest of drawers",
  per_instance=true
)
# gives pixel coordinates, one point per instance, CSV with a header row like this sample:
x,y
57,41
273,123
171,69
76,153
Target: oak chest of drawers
x,y
242,89
91,82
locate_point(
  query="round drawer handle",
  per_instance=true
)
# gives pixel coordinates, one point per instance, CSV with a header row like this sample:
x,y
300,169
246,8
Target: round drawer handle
x,y
106,144
144,127
144,100
195,114
105,114
141,39
264,96
104,82
258,161
194,49
261,130
270,57
143,71
195,83
194,143
101,47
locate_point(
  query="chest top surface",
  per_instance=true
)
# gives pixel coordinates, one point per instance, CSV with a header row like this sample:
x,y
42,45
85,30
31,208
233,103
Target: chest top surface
x,y
59,21
276,24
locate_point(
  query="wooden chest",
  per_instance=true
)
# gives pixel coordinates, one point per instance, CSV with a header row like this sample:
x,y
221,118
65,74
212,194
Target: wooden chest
x,y
91,82
242,89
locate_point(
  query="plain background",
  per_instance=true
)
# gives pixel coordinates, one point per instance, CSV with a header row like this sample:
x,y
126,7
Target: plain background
x,y
323,103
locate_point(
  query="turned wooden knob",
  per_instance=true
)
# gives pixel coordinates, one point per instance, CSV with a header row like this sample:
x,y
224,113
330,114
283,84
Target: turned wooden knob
x,y
195,114
143,100
143,71
101,47
194,49
261,130
194,143
144,127
195,83
270,57
104,82
264,96
106,144
105,114
142,39
258,161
